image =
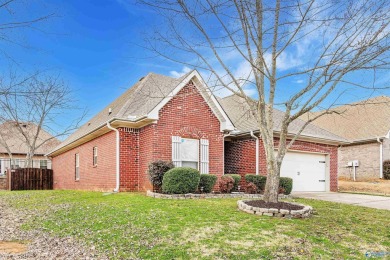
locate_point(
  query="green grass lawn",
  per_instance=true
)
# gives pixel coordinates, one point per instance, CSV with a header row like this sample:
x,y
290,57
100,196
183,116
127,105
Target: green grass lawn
x,y
131,225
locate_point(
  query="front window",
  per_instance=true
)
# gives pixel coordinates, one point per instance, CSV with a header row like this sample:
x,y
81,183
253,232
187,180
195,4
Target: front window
x,y
43,164
95,156
15,164
189,153
77,167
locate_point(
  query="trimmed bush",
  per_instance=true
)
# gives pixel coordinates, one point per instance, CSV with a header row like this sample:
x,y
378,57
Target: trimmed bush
x,y
226,184
156,171
386,169
285,185
257,180
251,188
180,180
207,181
236,178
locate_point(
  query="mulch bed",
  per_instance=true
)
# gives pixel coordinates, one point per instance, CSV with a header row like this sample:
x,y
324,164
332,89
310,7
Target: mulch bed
x,y
269,205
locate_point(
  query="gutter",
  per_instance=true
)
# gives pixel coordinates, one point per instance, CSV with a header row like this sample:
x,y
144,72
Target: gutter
x,y
117,156
257,152
380,157
97,128
306,138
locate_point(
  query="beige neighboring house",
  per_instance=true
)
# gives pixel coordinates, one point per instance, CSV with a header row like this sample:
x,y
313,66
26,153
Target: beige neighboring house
x,y
12,141
366,125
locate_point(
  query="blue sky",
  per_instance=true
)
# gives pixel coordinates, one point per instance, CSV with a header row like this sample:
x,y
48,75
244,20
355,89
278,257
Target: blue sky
x,y
94,46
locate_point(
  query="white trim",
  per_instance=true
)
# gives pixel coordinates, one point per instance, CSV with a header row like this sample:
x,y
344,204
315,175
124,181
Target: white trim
x,y
77,167
225,125
380,158
176,141
117,158
204,156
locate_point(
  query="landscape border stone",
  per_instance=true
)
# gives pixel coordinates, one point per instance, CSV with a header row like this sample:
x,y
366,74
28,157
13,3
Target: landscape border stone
x,y
272,212
208,195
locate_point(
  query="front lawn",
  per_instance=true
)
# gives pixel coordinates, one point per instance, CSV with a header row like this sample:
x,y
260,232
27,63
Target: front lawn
x,y
130,225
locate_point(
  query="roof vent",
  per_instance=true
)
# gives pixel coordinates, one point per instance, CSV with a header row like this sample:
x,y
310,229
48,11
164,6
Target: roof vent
x,y
141,79
109,110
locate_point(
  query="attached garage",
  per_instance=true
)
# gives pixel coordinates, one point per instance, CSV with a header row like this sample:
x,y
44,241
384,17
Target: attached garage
x,y
308,171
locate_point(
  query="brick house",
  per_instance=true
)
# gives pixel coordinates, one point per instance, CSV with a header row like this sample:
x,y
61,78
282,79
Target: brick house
x,y
366,126
13,148
180,120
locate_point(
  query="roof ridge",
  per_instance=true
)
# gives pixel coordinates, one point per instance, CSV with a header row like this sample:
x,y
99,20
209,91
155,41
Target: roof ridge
x,y
362,102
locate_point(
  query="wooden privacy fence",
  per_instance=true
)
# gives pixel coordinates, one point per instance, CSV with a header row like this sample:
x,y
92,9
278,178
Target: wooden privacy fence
x,y
30,179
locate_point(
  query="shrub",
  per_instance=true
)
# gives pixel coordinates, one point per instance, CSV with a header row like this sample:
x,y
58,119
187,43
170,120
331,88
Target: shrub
x,y
180,180
207,181
251,188
236,178
386,169
257,180
285,185
156,171
226,184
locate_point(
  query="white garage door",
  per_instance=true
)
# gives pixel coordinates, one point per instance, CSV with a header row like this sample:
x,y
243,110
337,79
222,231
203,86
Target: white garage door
x,y
306,169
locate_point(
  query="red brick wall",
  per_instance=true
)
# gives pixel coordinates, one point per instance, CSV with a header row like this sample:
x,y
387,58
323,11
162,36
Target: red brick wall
x,y
147,154
240,157
100,177
129,159
186,115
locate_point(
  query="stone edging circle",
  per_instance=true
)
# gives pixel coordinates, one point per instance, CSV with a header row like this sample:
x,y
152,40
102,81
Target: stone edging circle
x,y
302,213
208,195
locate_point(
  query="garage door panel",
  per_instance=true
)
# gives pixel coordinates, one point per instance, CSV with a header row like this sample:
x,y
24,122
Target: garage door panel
x,y
307,171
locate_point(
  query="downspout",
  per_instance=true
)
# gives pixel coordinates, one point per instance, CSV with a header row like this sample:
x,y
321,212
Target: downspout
x,y
257,152
117,156
380,157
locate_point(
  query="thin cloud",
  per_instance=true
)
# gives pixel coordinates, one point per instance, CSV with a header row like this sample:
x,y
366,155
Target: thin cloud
x,y
178,74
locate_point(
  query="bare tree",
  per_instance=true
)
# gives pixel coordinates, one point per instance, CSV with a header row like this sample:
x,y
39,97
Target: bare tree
x,y
16,23
329,47
34,107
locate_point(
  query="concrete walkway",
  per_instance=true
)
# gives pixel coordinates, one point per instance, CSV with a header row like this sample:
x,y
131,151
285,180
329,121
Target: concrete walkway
x,y
377,202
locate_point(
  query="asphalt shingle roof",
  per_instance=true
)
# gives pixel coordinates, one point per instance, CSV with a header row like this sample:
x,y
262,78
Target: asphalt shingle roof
x,y
16,141
148,92
135,103
362,120
239,112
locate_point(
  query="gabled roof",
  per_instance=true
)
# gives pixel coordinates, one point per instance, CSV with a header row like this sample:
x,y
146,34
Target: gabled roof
x,y
140,104
359,121
239,112
16,141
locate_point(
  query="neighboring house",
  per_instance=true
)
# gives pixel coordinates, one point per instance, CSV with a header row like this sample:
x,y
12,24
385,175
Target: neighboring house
x,y
180,120
13,142
366,125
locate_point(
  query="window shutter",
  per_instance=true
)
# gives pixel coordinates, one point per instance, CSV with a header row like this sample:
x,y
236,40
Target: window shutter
x,y
204,156
176,141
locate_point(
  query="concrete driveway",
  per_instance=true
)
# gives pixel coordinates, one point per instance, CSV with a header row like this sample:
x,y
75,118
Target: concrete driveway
x,y
377,202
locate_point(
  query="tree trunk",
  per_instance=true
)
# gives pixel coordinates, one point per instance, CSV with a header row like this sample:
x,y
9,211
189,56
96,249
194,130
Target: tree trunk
x,y
272,185
29,157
